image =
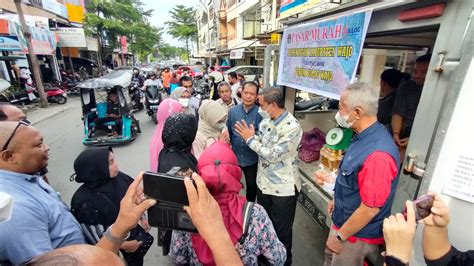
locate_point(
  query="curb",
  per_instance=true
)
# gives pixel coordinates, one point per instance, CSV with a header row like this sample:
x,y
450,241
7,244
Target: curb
x,y
62,110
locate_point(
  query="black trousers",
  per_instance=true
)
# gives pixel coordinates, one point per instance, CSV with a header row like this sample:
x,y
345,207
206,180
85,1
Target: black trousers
x,y
250,173
281,211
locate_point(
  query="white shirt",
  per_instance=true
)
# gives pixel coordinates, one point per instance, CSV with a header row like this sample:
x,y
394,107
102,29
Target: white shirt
x,y
235,88
151,82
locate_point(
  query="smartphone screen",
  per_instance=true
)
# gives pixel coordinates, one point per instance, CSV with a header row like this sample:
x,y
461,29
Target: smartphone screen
x,y
165,188
422,207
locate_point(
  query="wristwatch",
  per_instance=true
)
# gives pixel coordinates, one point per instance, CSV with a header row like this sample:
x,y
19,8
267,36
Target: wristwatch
x,y
114,239
339,238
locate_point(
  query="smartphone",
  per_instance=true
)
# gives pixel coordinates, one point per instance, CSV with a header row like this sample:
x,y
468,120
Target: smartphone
x,y
422,207
170,192
165,188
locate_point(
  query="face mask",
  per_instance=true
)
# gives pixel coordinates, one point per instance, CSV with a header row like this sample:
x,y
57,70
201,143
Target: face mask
x,y
342,120
220,126
264,114
184,102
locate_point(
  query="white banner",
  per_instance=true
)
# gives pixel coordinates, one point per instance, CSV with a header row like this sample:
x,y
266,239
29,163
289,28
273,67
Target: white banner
x,y
322,57
71,37
92,44
237,53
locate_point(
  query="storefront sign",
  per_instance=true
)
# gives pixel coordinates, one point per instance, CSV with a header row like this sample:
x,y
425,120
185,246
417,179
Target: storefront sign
x,y
43,40
291,7
237,53
322,57
75,10
71,37
275,38
123,44
9,43
55,7
92,44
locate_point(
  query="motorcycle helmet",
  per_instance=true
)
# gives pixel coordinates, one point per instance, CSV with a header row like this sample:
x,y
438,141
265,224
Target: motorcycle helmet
x,y
136,71
151,73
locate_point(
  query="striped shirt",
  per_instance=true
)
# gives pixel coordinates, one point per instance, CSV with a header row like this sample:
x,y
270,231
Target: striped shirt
x,y
406,103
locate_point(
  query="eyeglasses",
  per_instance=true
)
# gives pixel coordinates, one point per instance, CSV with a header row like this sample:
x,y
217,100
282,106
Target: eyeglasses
x,y
21,122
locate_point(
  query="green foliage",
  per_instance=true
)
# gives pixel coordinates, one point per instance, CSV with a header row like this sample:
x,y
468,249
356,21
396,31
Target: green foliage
x,y
167,52
183,24
109,19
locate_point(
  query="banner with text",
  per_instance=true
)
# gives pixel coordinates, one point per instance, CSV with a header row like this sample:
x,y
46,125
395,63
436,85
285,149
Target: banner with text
x,y
322,57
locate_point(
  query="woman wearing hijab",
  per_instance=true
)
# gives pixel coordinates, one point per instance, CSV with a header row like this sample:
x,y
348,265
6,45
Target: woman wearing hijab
x,y
212,122
167,108
178,135
220,171
96,203
183,96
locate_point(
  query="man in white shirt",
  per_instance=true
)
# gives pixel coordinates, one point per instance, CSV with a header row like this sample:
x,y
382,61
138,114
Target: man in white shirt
x,y
235,85
152,81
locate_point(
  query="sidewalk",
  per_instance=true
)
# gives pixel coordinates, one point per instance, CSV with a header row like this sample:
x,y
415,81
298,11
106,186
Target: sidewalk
x,y
37,115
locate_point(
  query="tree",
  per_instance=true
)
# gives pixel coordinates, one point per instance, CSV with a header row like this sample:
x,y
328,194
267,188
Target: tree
x,y
183,24
168,52
108,19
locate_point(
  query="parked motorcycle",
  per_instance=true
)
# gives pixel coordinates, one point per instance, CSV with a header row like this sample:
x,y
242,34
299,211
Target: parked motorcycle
x,y
153,97
54,95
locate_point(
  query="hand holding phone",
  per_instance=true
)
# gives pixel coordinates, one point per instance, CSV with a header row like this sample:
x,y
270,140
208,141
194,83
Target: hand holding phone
x,y
170,192
422,207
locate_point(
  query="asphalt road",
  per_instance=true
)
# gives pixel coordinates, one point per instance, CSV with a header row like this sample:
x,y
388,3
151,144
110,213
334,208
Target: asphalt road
x,y
63,132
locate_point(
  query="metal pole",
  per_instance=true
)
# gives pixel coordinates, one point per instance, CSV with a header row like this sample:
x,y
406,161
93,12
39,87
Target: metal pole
x,y
71,65
209,37
31,51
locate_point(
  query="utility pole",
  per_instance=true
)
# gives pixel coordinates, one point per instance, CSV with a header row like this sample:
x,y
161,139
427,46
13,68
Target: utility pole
x,y
31,51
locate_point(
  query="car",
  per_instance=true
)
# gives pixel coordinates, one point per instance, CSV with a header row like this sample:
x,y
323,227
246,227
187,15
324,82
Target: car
x,y
249,72
194,71
222,69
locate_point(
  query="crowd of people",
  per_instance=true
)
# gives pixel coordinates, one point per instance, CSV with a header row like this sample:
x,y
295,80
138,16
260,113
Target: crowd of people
x,y
246,133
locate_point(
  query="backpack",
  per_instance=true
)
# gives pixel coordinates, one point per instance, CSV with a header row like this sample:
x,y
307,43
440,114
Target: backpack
x,y
311,144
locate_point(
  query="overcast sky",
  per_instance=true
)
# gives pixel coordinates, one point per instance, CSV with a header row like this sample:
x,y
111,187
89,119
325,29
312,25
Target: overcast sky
x,y
161,14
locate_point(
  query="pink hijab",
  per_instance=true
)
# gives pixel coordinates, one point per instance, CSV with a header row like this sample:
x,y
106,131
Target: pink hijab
x,y
167,108
220,171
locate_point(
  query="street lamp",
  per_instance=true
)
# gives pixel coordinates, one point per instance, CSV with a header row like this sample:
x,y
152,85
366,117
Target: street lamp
x,y
206,8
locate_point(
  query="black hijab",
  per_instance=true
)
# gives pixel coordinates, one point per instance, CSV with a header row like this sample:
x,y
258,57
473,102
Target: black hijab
x,y
97,201
178,136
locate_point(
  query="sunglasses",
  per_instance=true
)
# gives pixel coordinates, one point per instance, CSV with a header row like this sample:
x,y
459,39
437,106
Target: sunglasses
x,y
21,122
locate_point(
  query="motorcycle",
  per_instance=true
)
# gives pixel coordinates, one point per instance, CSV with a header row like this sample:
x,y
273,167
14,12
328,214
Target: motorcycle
x,y
153,97
135,95
54,95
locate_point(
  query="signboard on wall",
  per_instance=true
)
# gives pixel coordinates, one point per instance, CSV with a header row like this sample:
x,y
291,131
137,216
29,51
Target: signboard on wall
x,y
55,7
9,43
75,10
322,57
291,7
92,44
71,37
237,53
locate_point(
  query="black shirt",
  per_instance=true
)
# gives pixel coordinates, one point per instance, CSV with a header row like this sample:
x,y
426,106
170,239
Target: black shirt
x,y
113,108
384,114
454,258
